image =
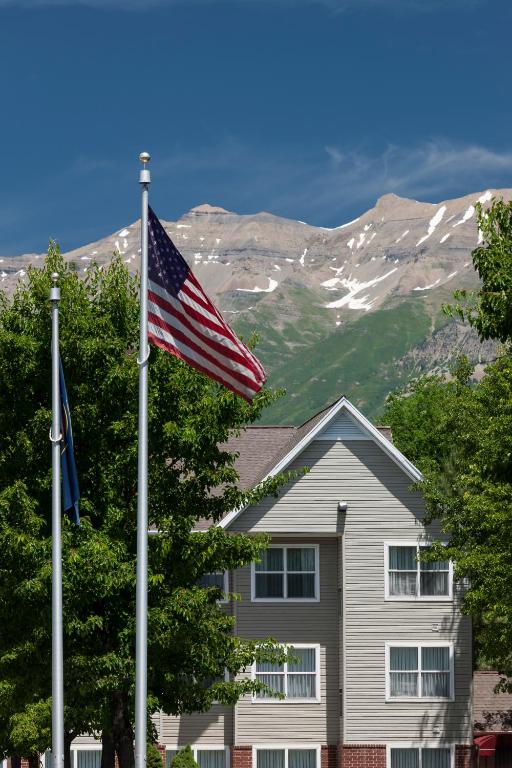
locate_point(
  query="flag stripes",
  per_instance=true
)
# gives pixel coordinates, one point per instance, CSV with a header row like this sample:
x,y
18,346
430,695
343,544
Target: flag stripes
x,y
183,320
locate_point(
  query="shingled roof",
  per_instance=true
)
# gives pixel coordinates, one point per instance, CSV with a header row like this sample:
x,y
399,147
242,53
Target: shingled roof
x,y
492,711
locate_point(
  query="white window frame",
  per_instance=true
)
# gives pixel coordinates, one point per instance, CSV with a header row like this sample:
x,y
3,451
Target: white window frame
x,y
285,599
430,744
75,748
272,700
200,747
286,747
225,588
419,646
414,598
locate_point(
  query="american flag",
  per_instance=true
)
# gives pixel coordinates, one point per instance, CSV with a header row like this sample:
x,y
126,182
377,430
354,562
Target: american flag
x,y
183,320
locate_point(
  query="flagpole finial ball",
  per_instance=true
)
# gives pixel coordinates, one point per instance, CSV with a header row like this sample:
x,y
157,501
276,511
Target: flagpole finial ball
x,y
144,157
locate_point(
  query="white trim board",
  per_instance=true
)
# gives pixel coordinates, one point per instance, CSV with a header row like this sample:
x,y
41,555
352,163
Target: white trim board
x,y
367,428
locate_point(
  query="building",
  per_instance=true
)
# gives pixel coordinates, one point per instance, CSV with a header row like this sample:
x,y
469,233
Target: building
x,y
383,671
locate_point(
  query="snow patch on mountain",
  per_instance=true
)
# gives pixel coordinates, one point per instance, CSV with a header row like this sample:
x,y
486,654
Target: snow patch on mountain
x,y
469,213
355,287
272,285
434,221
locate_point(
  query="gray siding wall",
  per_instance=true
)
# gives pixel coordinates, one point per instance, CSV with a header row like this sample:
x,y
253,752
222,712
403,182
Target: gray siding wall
x,y
213,727
315,623
381,507
307,504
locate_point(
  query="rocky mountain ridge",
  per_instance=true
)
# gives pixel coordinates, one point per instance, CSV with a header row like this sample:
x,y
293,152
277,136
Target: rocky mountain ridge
x,y
305,288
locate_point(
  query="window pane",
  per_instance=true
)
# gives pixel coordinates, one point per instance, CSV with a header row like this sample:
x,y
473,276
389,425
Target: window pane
x,y
432,583
303,660
271,560
403,684
274,682
303,758
212,580
267,666
437,565
301,585
211,758
270,758
88,758
403,658
435,659
436,684
170,754
301,687
300,560
269,585
405,758
402,558
435,758
402,582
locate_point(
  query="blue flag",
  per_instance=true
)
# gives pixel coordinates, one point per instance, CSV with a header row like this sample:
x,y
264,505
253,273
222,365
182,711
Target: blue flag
x,y
70,488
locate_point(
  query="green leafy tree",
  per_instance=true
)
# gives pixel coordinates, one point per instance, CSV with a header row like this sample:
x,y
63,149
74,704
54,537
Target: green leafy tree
x,y
190,636
489,309
184,759
153,757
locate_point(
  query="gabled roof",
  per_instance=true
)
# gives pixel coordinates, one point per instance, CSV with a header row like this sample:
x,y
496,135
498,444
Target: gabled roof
x,y
299,438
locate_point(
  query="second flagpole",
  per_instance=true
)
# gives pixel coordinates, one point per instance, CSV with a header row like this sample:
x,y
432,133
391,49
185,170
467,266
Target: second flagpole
x,y
141,663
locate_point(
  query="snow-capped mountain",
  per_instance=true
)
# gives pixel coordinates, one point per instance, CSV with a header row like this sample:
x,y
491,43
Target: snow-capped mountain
x,y
377,282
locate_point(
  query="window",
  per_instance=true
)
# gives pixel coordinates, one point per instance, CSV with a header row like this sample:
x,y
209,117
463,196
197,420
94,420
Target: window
x,y
297,679
82,756
218,579
210,757
285,757
408,578
286,573
419,671
420,757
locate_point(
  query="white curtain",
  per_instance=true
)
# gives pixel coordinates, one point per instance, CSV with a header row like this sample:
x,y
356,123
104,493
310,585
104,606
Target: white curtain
x,y
211,758
435,664
212,580
403,677
88,758
301,686
302,758
405,758
403,567
270,758
269,585
302,559
271,560
434,576
301,584
435,758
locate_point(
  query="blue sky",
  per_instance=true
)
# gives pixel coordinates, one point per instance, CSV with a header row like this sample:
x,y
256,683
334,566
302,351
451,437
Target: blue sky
x,y
310,109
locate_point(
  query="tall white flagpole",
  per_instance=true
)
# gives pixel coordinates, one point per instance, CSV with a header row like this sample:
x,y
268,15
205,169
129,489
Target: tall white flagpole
x,y
141,650
57,645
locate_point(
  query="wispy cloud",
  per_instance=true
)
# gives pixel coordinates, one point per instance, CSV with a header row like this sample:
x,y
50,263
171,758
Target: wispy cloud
x,y
325,187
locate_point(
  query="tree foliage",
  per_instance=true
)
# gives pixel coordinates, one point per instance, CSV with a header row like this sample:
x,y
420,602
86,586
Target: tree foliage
x,y
184,759
190,637
489,309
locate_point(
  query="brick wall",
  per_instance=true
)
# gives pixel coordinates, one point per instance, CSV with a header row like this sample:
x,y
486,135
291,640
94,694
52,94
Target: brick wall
x,y
241,757
464,756
329,756
364,756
